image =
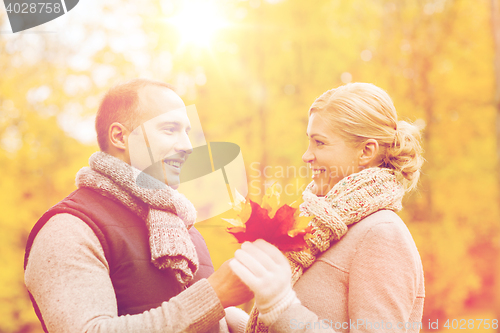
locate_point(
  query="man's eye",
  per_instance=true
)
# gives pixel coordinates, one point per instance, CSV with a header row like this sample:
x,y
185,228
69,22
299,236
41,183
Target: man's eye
x,y
168,130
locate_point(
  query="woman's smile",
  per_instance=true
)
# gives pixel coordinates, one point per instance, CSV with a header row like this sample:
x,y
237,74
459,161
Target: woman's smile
x,y
329,157
316,171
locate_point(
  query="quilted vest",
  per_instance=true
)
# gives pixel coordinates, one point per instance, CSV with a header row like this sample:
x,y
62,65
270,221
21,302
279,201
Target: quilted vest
x,y
139,286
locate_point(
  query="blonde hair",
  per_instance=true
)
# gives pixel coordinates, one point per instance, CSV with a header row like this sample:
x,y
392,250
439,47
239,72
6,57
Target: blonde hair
x,y
362,111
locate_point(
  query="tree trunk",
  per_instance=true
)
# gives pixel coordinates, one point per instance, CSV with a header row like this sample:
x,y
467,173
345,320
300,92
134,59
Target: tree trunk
x,y
495,21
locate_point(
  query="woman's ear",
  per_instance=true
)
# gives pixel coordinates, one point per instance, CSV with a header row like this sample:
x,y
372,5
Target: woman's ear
x,y
369,154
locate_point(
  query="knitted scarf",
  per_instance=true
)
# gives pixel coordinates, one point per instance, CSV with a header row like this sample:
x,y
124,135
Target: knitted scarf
x,y
167,213
349,201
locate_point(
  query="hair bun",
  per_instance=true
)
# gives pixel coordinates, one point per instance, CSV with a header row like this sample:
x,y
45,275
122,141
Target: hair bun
x,y
404,156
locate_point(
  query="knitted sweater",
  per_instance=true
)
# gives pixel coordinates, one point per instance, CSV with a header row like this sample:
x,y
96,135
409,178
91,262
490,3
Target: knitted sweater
x,y
371,280
68,275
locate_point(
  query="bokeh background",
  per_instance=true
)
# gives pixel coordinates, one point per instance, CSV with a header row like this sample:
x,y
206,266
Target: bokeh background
x,y
252,68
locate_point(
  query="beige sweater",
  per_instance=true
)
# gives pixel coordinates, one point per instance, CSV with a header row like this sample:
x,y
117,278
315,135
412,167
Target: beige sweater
x,y
369,281
68,275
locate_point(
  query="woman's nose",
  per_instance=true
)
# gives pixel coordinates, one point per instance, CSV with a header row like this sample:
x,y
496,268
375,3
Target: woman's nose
x,y
308,156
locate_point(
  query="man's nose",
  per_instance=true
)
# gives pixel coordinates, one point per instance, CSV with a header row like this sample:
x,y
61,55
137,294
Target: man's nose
x,y
184,144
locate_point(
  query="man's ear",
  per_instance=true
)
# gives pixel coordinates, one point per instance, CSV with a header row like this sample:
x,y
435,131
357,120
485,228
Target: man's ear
x,y
369,154
118,136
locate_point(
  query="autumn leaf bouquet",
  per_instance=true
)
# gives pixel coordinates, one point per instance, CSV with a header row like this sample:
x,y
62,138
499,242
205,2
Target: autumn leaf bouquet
x,y
281,226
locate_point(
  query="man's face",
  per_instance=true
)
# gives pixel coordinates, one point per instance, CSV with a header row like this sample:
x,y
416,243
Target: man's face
x,y
162,134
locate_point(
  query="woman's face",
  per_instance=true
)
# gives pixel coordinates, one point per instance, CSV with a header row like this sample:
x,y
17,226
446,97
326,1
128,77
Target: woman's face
x,y
328,155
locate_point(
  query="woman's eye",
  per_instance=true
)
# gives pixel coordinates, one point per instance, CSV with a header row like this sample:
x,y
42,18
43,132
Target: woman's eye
x,y
319,143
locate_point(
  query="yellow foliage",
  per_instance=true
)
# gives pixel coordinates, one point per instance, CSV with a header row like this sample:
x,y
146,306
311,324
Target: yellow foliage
x,y
253,86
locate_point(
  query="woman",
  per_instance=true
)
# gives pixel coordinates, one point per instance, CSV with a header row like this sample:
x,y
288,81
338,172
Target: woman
x,y
363,271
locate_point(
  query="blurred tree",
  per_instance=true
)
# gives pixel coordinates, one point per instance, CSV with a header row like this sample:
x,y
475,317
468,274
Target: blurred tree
x,y
49,90
495,24
253,86
429,65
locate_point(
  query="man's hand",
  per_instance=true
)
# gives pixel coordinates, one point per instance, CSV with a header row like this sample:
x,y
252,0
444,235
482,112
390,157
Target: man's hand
x,y
228,286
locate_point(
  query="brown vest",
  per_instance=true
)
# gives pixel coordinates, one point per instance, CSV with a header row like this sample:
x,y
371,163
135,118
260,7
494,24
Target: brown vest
x,y
139,285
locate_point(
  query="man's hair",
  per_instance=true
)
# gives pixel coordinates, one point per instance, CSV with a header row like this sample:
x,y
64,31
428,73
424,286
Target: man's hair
x,y
121,104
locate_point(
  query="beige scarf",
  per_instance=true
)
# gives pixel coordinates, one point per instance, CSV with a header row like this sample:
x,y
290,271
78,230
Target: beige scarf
x,y
167,213
352,199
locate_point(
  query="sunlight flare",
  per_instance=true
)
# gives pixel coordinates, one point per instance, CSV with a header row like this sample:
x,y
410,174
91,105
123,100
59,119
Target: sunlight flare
x,y
197,22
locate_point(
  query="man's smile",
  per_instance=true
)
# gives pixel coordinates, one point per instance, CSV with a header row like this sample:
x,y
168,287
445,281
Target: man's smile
x,y
174,163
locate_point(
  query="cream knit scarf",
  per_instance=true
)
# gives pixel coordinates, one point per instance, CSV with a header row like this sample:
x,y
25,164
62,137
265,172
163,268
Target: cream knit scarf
x,y
349,201
167,213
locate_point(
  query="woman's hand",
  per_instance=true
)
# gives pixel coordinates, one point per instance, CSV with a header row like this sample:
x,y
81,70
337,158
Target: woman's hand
x,y
236,319
266,271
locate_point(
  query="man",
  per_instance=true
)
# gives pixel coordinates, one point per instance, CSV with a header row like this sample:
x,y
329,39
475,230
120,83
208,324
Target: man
x,y
120,254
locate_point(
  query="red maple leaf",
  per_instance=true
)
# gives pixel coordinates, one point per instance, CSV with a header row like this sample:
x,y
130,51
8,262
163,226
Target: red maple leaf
x,y
273,230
